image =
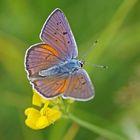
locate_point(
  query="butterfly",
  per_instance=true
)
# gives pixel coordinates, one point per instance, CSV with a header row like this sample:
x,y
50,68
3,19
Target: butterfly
x,y
52,65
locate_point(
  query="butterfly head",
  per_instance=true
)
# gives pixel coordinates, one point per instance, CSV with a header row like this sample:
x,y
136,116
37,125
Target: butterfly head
x,y
82,62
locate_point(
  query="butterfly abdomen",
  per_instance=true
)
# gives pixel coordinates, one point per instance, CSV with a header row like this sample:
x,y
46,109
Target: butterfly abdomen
x,y
53,71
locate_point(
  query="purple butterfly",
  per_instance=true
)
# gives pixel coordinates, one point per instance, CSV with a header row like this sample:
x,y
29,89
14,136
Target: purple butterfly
x,y
52,67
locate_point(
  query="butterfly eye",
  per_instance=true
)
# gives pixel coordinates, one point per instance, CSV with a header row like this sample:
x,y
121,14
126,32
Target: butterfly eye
x,y
81,64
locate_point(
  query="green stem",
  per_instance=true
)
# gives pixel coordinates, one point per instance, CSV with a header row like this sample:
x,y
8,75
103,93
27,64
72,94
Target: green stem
x,y
96,129
72,131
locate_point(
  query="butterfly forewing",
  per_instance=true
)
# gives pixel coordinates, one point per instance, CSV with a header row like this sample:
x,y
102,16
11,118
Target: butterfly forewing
x,y
56,32
39,57
79,87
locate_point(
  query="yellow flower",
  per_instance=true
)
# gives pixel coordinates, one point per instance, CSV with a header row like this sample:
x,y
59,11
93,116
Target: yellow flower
x,y
38,100
38,119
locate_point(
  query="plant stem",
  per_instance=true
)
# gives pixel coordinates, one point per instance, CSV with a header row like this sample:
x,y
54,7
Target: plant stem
x,y
72,131
96,129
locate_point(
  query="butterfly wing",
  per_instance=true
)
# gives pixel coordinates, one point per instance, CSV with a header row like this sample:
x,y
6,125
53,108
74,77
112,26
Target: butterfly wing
x,y
39,57
57,33
79,87
51,87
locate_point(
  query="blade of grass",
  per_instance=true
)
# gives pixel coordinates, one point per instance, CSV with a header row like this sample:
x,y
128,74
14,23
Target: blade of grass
x,y
72,131
108,34
96,129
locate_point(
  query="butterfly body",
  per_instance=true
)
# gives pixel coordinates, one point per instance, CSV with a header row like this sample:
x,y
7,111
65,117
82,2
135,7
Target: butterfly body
x,y
52,67
65,68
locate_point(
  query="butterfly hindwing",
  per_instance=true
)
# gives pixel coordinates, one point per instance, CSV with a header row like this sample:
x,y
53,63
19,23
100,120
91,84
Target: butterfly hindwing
x,y
79,87
51,87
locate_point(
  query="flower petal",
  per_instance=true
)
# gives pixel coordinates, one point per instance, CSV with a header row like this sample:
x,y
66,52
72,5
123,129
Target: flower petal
x,y
32,117
42,122
37,99
53,115
30,111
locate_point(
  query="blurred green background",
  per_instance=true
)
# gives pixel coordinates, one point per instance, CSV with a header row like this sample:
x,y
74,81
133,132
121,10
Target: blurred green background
x,y
116,26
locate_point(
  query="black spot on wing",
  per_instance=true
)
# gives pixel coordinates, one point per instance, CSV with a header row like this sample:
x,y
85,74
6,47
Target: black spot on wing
x,y
64,33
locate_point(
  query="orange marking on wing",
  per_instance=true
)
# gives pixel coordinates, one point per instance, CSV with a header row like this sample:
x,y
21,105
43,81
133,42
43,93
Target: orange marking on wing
x,y
63,88
50,49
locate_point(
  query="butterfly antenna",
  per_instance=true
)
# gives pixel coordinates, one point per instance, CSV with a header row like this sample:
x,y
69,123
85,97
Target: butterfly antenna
x,y
98,66
90,49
